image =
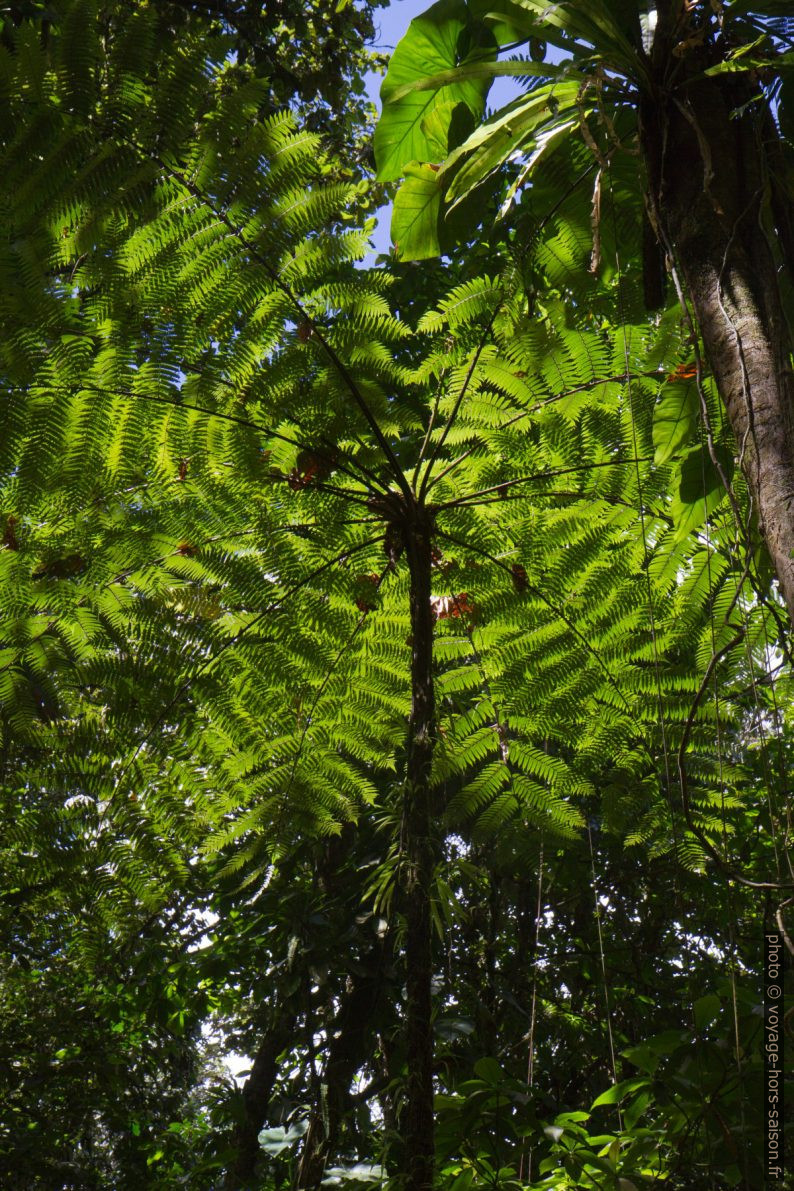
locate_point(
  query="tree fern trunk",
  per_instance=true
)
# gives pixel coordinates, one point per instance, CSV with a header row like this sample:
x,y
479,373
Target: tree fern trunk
x,y
710,189
417,1119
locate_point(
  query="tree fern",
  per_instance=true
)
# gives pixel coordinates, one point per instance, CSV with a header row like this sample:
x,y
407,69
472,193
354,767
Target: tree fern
x,y
280,561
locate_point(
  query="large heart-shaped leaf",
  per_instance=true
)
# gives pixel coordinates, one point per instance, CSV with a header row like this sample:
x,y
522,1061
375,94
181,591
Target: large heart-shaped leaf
x,y
519,126
442,38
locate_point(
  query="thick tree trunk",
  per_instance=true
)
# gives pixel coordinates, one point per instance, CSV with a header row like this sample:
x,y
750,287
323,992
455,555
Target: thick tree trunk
x,y
417,1117
709,191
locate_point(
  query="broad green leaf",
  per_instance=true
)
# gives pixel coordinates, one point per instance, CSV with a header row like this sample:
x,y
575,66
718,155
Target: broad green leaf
x,y
417,205
633,1111
706,1009
489,1070
544,143
700,489
616,1093
674,420
445,126
599,1163
420,229
600,25
463,1181
517,126
643,1056
432,44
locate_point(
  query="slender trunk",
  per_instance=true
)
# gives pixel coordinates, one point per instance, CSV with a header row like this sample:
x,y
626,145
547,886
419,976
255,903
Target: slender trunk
x,y
417,1118
257,1090
351,1046
709,189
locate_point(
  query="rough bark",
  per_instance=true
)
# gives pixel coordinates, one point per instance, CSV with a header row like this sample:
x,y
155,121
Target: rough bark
x,y
709,191
419,851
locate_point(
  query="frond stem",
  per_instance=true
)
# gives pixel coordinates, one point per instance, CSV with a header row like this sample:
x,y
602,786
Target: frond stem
x,y
423,487
541,475
527,413
235,419
365,471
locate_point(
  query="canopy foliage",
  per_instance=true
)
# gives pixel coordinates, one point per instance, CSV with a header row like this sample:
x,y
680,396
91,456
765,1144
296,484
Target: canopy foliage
x,y
391,694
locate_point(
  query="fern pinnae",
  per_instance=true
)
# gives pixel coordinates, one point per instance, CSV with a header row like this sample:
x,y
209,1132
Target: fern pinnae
x,y
335,360
493,738
319,693
472,368
594,653
234,640
475,497
270,432
686,795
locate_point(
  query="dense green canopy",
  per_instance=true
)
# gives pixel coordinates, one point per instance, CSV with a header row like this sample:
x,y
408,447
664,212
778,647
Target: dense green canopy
x,y
392,694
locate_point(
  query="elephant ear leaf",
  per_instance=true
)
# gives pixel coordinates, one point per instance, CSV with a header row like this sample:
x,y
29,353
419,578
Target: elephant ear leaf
x,y
441,39
700,489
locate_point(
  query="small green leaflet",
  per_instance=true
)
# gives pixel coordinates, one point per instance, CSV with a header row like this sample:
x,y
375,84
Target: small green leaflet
x,y
489,1070
620,1090
674,420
